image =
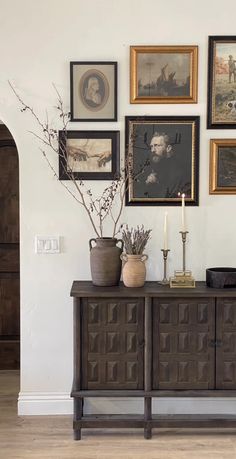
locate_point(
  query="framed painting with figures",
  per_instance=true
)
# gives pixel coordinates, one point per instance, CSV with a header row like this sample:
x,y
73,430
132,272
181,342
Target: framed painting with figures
x,y
163,74
162,153
93,91
221,112
222,166
89,155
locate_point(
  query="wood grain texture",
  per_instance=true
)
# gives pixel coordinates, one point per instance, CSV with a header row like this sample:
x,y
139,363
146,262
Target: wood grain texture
x,y
9,194
50,437
9,252
150,289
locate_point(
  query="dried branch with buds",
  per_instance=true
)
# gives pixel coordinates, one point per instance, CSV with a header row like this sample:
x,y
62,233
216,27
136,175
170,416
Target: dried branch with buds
x,y
135,239
109,205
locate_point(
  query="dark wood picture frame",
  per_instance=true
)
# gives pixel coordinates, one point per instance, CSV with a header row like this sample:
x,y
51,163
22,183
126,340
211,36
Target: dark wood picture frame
x,y
96,147
221,111
93,91
222,175
157,178
163,74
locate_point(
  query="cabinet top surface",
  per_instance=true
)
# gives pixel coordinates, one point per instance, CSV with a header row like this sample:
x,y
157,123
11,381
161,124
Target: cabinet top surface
x,y
150,289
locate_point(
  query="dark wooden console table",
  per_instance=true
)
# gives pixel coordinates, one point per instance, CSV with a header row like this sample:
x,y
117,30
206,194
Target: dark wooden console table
x,y
153,342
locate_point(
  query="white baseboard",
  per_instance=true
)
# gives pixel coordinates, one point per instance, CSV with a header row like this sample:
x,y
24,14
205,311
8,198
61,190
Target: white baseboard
x,y
44,403
59,403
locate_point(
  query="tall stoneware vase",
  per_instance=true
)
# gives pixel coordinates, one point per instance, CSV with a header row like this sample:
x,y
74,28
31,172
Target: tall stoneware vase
x,y
105,261
134,270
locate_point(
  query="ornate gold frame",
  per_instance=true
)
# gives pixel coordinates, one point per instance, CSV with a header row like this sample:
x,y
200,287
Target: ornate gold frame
x,y
215,144
136,99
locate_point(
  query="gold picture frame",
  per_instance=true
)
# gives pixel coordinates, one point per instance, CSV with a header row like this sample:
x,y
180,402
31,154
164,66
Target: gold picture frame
x,y
163,74
222,176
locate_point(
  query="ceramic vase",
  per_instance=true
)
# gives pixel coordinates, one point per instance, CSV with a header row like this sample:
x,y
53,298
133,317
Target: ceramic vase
x,y
134,270
105,261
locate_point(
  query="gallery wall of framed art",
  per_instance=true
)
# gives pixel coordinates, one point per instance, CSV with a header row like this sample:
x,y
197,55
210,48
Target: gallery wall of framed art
x,y
159,74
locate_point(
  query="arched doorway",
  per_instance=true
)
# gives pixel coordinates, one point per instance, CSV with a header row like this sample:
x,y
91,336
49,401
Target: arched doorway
x,y
9,253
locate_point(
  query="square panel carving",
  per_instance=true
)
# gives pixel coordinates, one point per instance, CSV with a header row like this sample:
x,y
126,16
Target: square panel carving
x,y
112,334
182,331
226,339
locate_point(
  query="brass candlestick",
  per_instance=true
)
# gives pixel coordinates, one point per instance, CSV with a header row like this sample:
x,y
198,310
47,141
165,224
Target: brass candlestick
x,y
183,279
184,238
165,255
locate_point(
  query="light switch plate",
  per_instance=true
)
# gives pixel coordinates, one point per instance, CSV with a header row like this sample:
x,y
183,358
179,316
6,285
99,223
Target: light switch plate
x,y
47,244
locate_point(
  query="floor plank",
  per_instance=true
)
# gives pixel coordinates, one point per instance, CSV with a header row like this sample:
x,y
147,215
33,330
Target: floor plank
x,y
50,437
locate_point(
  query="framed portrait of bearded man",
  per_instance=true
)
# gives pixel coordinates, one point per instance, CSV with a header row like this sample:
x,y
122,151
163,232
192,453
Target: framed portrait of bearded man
x,y
163,157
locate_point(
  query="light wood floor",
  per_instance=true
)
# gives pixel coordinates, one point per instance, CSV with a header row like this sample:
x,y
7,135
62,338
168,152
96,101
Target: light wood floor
x,y
51,437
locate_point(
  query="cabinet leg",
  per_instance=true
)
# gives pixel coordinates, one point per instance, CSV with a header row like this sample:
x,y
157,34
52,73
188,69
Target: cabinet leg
x,y
77,434
147,417
148,433
78,413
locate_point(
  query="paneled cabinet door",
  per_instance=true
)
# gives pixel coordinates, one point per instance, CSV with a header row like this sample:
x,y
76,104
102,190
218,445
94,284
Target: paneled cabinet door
x,y
226,343
112,343
183,343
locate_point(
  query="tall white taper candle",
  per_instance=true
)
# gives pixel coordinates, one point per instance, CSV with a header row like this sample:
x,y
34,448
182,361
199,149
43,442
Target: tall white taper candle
x,y
165,231
183,213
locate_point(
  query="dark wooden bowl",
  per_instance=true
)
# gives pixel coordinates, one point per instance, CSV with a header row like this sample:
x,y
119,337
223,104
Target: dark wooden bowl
x,y
221,277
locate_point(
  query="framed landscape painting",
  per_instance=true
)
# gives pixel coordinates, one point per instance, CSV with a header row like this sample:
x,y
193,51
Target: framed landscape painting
x,y
89,155
93,91
163,74
222,83
162,153
223,166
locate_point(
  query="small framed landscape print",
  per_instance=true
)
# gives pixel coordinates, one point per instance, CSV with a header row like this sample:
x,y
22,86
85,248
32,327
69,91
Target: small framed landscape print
x,y
93,91
163,74
89,155
223,166
162,153
221,113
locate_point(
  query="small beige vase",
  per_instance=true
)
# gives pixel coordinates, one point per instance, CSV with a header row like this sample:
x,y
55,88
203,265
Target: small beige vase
x,y
134,270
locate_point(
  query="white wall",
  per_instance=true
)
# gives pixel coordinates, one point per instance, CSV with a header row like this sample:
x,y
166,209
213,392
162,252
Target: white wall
x,y
37,42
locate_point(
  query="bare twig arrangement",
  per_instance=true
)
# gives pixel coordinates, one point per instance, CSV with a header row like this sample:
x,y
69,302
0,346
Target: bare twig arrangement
x,y
109,205
135,239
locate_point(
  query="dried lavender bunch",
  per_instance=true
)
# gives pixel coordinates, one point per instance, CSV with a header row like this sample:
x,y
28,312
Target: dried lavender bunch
x,y
135,239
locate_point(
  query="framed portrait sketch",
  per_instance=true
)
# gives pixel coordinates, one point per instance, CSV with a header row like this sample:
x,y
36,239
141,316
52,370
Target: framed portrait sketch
x,y
89,155
163,74
163,154
222,166
221,113
93,91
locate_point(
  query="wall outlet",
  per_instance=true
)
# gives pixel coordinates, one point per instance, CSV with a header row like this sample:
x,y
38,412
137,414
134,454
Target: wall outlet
x,y
47,244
